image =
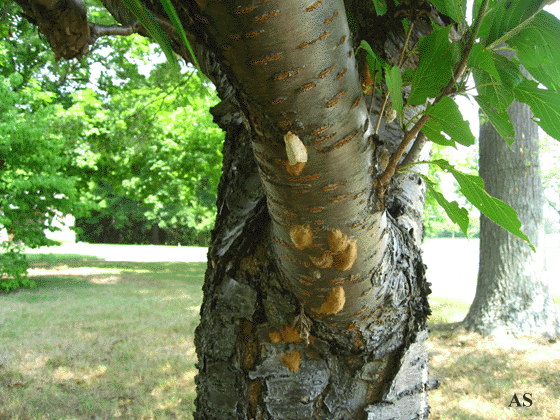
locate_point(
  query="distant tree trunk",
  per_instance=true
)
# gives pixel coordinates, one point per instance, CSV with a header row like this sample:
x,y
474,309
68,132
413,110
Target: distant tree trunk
x,y
154,233
512,293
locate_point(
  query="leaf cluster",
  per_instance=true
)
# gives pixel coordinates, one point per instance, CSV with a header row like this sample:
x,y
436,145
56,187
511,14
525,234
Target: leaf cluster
x,y
522,27
152,145
133,141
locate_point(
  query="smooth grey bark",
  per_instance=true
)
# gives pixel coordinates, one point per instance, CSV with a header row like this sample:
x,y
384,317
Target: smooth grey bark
x,y
512,294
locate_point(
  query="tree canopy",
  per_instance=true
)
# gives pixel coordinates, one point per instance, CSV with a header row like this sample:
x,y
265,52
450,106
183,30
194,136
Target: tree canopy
x,y
127,140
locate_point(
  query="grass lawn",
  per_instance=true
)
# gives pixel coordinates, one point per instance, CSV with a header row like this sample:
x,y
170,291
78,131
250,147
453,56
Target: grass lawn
x,y
101,339
479,376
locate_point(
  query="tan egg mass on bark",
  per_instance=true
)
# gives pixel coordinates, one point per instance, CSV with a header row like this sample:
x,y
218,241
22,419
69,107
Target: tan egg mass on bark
x,y
295,170
301,236
296,152
292,360
338,241
345,260
324,261
334,303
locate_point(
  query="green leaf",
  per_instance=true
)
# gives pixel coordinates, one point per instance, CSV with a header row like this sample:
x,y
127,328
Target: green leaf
x,y
500,121
481,58
458,215
509,72
455,9
433,130
380,7
545,104
172,13
367,47
472,187
446,113
435,67
375,63
407,76
147,19
538,49
507,18
531,48
492,91
394,83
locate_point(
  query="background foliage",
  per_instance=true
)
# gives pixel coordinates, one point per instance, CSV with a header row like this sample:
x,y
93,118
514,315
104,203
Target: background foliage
x,y
117,139
128,146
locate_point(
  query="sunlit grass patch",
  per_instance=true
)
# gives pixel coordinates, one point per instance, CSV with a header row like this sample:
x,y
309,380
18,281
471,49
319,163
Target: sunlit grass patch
x,y
100,339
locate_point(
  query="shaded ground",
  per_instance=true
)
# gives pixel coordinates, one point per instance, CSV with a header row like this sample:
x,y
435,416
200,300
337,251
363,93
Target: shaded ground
x,y
102,339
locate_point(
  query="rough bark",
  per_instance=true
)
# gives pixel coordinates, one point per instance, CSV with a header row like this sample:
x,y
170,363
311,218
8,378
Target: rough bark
x,y
283,334
512,294
63,22
296,324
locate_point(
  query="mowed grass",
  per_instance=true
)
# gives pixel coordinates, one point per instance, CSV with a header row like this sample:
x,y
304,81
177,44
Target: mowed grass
x,y
479,376
100,340
114,340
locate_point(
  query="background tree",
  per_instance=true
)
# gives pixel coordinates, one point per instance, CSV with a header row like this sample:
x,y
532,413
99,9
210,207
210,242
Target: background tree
x,y
34,188
149,157
157,118
512,294
512,291
315,295
550,155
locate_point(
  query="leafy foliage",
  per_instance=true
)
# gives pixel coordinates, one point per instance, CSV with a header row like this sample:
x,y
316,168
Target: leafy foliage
x,y
538,48
394,83
472,187
458,215
521,26
33,183
153,146
143,14
13,268
435,67
545,104
447,118
138,148
455,9
508,18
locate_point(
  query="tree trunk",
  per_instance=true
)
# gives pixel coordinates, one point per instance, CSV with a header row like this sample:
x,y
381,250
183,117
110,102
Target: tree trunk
x,y
261,357
154,234
291,326
315,298
512,294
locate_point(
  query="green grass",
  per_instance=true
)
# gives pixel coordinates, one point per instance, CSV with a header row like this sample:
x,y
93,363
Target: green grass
x,y
100,339
114,340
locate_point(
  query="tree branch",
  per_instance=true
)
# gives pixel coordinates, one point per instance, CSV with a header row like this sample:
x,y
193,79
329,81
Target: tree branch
x,y
415,150
97,30
409,136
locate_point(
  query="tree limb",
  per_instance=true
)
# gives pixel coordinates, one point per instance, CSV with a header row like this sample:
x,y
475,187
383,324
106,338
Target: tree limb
x,y
96,30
